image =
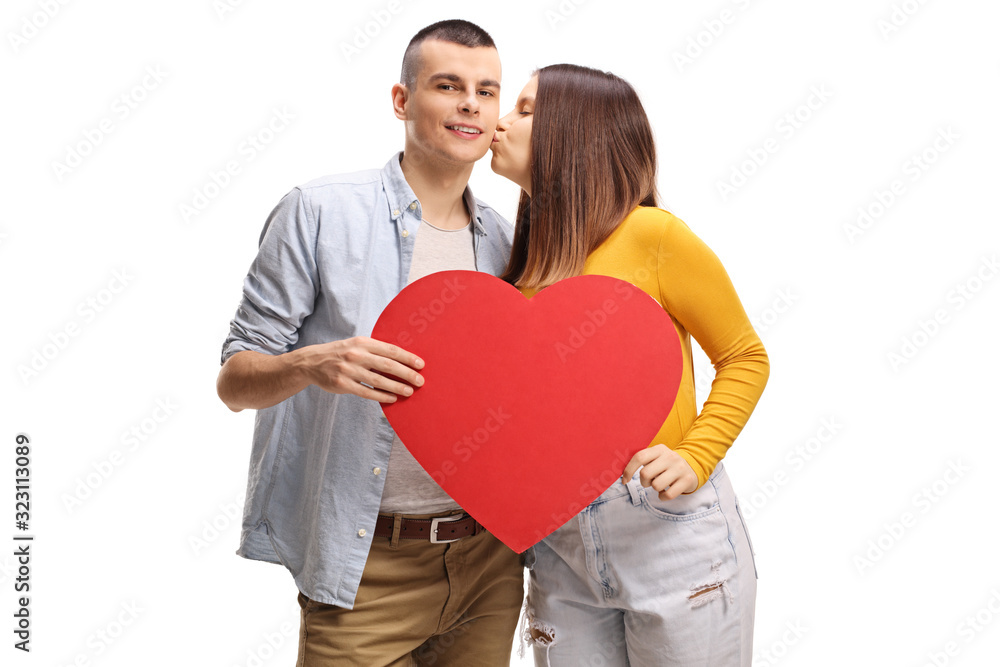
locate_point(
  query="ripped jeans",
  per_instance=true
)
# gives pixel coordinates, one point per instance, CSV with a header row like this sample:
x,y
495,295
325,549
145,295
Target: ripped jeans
x,y
635,580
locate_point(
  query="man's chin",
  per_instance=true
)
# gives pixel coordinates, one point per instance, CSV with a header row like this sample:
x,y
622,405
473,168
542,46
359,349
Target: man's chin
x,y
470,155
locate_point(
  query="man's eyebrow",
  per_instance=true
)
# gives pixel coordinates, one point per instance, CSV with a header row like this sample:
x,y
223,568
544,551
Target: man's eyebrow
x,y
454,78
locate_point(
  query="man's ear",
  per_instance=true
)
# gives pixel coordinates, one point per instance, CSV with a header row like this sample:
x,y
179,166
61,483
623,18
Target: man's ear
x,y
400,98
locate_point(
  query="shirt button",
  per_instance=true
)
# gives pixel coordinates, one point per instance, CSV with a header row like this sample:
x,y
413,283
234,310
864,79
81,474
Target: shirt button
x,y
413,206
362,532
377,471
395,213
406,232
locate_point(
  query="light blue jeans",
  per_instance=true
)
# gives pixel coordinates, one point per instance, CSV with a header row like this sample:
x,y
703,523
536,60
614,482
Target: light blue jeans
x,y
635,580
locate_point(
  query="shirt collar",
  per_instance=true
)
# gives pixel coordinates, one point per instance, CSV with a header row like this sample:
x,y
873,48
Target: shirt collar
x,y
402,200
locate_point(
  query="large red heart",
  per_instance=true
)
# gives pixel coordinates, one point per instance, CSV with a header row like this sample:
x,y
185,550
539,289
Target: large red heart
x,y
531,407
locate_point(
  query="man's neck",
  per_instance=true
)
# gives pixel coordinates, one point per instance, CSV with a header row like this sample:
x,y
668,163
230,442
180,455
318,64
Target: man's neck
x,y
440,188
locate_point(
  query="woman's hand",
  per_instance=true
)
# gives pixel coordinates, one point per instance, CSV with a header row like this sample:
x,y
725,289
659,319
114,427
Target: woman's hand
x,y
663,469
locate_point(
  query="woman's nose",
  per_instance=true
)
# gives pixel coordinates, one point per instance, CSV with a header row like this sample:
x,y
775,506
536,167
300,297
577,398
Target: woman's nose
x,y
503,123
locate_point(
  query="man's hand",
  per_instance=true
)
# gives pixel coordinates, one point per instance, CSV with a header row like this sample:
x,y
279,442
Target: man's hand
x,y
361,366
663,469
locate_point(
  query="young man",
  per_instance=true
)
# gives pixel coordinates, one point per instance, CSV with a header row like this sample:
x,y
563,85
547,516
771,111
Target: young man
x,y
333,494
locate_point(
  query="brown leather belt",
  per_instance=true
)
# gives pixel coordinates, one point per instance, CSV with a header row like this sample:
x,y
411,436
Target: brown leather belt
x,y
437,530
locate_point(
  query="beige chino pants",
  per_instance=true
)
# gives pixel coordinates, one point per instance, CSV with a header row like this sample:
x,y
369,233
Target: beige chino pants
x,y
421,604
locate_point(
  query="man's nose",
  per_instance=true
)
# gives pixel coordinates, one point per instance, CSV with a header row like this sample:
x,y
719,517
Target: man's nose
x,y
471,103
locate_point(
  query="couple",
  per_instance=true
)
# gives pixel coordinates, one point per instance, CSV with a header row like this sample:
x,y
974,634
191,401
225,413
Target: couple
x,y
658,570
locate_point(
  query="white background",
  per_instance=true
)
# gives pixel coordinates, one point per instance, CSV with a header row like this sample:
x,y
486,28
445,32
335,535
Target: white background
x,y
851,556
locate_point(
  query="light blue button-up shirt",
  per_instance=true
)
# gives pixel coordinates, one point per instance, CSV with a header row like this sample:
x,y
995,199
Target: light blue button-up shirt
x,y
332,255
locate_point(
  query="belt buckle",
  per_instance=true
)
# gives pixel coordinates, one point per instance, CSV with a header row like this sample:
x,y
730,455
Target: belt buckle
x,y
444,519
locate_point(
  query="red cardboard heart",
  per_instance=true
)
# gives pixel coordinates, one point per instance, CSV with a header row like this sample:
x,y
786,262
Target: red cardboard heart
x,y
531,407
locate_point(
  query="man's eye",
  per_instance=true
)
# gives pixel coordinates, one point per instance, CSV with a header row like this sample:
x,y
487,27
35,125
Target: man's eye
x,y
486,92
446,86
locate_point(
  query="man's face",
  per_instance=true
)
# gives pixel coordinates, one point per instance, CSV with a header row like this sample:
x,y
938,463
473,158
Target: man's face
x,y
453,108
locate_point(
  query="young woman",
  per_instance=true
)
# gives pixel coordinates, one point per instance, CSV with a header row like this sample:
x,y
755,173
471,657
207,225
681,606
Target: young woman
x,y
659,569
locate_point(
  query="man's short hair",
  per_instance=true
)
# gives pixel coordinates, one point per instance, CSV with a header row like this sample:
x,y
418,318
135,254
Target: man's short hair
x,y
455,31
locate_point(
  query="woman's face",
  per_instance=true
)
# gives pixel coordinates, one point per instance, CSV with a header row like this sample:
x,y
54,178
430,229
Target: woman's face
x,y
512,141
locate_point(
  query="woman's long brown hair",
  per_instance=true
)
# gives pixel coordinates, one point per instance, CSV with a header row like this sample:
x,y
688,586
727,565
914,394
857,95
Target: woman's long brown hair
x,y
593,160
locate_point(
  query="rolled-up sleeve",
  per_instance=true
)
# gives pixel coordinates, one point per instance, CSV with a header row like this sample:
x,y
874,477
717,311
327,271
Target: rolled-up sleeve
x,y
281,287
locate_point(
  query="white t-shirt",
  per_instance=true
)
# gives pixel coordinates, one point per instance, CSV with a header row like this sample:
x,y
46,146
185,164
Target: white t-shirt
x,y
408,487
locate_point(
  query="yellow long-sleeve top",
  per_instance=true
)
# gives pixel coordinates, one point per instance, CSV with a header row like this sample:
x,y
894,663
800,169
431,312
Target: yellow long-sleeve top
x,y
659,254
